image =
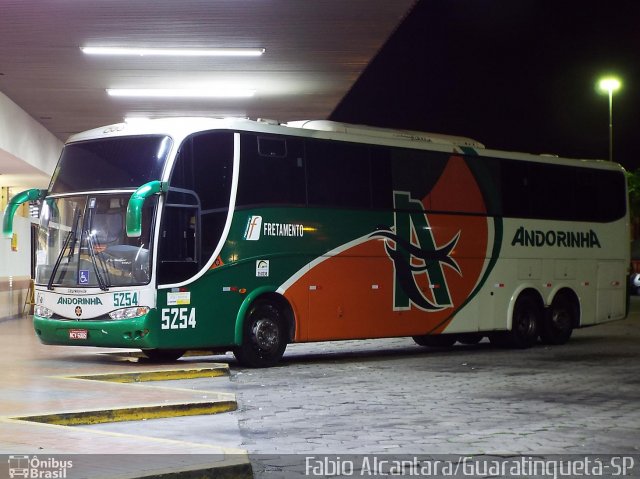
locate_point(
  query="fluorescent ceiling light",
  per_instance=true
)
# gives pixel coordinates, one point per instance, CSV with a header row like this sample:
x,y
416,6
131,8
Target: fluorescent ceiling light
x,y
214,92
175,52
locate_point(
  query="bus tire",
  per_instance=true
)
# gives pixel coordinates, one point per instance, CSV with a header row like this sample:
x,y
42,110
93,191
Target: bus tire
x,y
527,315
558,323
264,337
436,340
163,355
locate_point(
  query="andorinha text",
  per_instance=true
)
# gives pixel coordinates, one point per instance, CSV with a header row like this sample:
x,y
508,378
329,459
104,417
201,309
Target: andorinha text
x,y
80,301
563,239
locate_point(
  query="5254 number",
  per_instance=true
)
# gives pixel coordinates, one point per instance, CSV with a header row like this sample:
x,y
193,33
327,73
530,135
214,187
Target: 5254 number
x,y
178,318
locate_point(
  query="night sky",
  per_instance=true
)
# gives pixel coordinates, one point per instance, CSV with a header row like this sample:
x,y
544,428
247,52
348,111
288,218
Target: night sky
x,y
513,74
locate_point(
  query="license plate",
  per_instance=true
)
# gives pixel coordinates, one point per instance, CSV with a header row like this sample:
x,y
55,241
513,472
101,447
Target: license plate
x,y
78,334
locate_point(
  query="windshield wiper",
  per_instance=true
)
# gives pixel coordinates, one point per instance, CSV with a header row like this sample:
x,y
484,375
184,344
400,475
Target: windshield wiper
x,y
71,235
102,268
59,259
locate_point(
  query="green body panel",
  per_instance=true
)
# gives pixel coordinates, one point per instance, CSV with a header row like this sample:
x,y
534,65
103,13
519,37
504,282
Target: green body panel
x,y
127,333
222,296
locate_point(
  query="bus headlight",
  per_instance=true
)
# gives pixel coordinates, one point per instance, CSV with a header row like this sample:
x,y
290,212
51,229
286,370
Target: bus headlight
x,y
41,311
129,313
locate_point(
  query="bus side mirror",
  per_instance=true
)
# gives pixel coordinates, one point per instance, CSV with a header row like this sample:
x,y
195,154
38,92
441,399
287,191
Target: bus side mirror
x,y
134,207
10,211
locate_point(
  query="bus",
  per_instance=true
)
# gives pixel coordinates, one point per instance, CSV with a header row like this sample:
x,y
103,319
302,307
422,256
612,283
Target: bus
x,y
237,235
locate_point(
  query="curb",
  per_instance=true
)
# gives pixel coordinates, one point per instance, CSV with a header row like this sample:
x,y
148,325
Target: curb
x,y
155,375
139,413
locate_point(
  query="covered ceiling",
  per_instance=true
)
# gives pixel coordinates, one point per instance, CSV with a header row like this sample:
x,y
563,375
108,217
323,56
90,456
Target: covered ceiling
x,y
314,50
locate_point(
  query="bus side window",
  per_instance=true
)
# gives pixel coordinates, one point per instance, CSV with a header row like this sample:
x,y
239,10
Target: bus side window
x,y
178,245
417,172
338,174
197,205
516,189
599,195
552,189
272,171
381,182
272,147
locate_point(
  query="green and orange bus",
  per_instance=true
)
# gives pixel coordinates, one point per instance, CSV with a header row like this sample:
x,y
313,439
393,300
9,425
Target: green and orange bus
x,y
178,234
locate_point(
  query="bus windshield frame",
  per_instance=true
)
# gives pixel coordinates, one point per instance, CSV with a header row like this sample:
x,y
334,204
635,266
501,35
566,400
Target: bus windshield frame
x,y
82,243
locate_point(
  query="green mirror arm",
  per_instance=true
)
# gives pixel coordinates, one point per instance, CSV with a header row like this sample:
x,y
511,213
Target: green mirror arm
x,y
10,211
134,207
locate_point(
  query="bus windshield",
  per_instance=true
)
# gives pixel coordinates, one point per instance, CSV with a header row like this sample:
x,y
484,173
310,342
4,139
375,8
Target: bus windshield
x,y
82,243
110,163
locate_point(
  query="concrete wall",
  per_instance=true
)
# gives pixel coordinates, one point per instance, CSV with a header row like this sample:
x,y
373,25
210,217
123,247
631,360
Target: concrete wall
x,y
25,145
24,138
15,269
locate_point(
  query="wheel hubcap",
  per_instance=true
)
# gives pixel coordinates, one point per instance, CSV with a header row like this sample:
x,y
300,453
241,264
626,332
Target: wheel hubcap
x,y
266,334
561,319
526,324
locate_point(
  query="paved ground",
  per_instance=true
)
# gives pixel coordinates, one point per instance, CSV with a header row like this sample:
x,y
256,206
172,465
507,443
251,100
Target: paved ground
x,y
393,397
390,396
39,380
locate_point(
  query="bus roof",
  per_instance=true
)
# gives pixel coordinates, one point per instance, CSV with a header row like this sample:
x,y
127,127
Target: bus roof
x,y
180,127
363,130
193,124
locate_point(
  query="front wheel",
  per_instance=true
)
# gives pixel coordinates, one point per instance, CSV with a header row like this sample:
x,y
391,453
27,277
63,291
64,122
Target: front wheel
x,y
264,336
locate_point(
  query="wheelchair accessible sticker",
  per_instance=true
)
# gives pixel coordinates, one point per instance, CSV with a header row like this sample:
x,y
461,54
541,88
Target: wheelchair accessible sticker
x,y
83,276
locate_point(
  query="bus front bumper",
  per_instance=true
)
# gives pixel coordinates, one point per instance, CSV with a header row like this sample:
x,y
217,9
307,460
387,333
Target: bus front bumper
x,y
125,333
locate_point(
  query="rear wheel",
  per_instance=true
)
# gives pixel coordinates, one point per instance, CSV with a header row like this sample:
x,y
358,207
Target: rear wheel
x,y
527,315
163,355
264,336
558,323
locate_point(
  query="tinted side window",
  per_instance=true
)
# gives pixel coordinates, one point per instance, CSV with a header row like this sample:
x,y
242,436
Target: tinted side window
x,y
552,191
561,192
381,179
516,189
416,171
204,166
609,202
487,173
272,170
196,205
338,174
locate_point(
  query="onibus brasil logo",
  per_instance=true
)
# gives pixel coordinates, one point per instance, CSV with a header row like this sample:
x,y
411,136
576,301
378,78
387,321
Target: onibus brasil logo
x,y
38,468
416,257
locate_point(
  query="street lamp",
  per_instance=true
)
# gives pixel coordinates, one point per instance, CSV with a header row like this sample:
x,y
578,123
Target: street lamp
x,y
609,85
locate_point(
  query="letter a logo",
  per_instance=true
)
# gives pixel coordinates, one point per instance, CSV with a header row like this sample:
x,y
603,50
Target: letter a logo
x,y
417,260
